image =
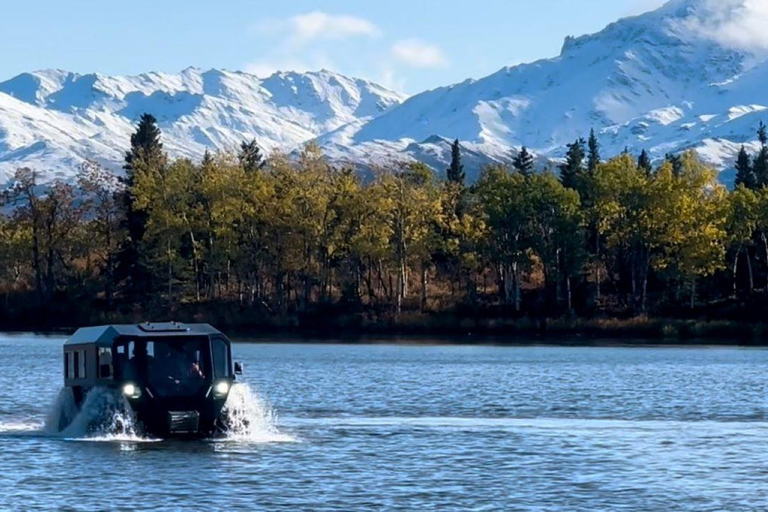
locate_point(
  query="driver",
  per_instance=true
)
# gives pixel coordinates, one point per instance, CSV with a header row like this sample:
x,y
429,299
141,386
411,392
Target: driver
x,y
195,370
185,366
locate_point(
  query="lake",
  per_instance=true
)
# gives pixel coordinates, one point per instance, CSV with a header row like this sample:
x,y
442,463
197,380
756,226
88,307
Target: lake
x,y
385,427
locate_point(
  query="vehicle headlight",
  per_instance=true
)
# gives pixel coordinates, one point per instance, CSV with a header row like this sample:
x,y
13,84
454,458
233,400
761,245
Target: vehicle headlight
x,y
131,391
221,388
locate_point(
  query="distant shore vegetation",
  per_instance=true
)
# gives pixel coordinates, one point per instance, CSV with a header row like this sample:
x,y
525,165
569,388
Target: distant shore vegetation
x,y
248,242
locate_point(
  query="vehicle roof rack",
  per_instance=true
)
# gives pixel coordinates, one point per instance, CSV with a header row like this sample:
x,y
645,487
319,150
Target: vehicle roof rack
x,y
163,327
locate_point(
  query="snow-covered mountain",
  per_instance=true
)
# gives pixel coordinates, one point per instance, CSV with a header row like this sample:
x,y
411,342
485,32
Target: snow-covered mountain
x,y
53,120
667,80
691,74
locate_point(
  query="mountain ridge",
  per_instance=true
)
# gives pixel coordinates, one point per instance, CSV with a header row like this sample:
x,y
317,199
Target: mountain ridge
x,y
658,81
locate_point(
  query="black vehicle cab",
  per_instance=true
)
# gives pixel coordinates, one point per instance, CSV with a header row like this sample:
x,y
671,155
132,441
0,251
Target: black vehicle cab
x,y
176,377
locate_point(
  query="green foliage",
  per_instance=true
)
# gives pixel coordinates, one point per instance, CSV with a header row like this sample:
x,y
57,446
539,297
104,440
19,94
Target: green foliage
x,y
145,146
250,156
675,161
593,157
279,238
572,171
523,162
745,174
644,162
455,172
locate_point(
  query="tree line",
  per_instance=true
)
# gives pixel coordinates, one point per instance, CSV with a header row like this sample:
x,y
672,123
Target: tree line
x,y
283,236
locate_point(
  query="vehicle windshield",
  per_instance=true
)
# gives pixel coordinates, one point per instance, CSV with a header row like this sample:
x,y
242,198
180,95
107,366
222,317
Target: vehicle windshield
x,y
176,367
172,366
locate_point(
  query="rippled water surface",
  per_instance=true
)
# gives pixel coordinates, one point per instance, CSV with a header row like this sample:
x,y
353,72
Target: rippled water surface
x,y
419,428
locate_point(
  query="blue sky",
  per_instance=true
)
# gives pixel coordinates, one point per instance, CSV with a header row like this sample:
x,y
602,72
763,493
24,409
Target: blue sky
x,y
411,45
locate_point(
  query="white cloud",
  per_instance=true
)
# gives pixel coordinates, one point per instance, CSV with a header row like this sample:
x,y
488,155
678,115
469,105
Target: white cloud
x,y
390,80
739,24
418,54
305,28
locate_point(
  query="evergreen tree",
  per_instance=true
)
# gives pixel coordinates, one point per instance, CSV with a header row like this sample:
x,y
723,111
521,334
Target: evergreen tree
x,y
593,159
456,170
676,162
523,162
644,163
146,154
207,159
250,156
145,146
572,170
745,175
761,160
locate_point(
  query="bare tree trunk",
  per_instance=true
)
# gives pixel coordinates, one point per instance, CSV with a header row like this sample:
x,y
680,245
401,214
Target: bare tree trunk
x,y
598,271
693,293
196,264
170,271
516,277
423,287
644,300
749,268
736,271
765,245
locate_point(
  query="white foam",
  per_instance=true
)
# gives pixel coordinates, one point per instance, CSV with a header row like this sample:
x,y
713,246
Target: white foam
x,y
21,427
105,416
250,419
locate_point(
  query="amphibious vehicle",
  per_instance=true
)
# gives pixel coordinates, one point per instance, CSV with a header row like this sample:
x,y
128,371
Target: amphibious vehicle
x,y
176,377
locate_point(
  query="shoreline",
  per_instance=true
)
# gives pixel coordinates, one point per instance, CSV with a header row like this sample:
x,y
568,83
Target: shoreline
x,y
576,332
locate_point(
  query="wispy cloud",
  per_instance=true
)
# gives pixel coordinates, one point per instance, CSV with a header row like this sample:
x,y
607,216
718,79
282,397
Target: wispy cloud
x,y
418,54
303,42
739,24
306,28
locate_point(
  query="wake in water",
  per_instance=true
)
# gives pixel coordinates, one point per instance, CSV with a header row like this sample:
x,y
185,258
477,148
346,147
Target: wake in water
x,y
106,416
247,417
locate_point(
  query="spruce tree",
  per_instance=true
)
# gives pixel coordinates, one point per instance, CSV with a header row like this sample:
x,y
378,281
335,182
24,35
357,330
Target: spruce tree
x,y
676,161
745,175
250,156
146,153
145,146
593,158
644,163
761,159
572,170
207,159
523,162
456,170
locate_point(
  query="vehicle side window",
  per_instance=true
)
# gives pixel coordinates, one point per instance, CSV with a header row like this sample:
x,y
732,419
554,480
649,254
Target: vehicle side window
x,y
220,352
80,359
121,364
105,363
70,365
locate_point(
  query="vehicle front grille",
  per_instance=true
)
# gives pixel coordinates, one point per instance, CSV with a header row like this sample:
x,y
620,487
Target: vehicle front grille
x,y
183,422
